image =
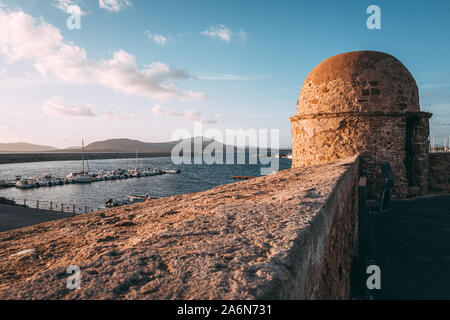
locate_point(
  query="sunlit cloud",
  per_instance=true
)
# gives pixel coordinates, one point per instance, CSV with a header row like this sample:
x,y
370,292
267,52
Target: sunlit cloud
x,y
165,39
225,34
243,36
68,6
116,116
190,115
193,115
113,5
5,127
162,112
56,106
157,38
230,77
218,32
24,38
436,85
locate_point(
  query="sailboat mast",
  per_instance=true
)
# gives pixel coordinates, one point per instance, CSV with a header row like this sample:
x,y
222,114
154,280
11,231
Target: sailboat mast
x,y
82,153
137,158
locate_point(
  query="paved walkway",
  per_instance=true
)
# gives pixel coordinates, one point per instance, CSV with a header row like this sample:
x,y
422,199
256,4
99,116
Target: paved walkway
x,y
412,248
12,217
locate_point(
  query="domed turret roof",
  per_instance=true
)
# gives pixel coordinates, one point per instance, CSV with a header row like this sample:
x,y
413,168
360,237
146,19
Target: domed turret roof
x,y
359,81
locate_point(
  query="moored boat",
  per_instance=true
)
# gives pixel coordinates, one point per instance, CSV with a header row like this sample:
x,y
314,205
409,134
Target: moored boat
x,y
25,184
172,171
7,184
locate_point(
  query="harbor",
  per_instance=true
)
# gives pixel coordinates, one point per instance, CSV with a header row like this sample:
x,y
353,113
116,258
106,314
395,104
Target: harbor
x,y
115,179
83,177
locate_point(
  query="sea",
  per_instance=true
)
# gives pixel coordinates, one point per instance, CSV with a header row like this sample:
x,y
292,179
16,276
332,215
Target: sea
x,y
192,178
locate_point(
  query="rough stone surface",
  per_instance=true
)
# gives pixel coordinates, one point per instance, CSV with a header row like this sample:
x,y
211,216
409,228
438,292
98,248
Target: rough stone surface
x,y
360,81
290,235
364,103
439,177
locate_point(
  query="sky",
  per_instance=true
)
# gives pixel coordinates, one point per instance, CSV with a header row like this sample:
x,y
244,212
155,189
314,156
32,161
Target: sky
x,y
143,69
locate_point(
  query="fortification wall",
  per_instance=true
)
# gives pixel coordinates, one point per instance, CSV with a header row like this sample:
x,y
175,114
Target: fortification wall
x,y
439,172
378,137
290,235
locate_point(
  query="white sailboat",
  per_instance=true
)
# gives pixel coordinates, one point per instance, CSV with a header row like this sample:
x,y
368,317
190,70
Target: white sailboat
x,y
24,184
83,176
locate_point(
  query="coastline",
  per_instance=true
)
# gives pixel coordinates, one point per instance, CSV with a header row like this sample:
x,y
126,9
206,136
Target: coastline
x,y
17,157
9,158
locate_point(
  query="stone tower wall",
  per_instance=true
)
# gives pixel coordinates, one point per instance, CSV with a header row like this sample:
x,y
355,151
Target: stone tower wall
x,y
348,83
377,137
366,103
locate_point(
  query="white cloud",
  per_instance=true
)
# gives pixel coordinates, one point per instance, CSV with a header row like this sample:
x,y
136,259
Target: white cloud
x,y
68,6
221,32
243,36
113,5
25,38
437,85
63,5
158,38
225,34
165,39
161,112
157,110
191,115
115,116
5,127
56,106
230,77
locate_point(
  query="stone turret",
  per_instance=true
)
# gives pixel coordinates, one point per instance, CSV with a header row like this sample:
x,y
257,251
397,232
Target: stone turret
x,y
364,102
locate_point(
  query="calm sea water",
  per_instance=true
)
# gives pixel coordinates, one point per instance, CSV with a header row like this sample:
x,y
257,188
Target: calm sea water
x,y
193,178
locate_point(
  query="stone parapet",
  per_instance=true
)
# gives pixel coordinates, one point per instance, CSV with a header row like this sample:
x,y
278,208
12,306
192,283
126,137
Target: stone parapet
x,y
439,173
290,235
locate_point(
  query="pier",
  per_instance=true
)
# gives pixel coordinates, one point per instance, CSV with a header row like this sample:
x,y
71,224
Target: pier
x,y
53,206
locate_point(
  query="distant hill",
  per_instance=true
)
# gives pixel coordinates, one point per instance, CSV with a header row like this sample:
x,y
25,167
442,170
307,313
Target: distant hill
x,y
25,147
130,146
108,146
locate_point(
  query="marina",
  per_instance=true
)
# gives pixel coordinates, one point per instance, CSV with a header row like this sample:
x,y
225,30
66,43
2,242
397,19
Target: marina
x,y
85,176
113,179
47,179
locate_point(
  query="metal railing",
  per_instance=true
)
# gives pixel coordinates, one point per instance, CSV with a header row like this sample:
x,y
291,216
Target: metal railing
x,y
439,144
55,206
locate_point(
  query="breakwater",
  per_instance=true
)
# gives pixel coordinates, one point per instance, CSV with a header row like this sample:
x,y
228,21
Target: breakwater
x,y
7,158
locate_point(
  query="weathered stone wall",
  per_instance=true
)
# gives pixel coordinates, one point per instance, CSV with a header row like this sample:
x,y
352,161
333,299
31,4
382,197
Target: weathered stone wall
x,y
364,81
439,173
366,103
290,235
377,137
417,169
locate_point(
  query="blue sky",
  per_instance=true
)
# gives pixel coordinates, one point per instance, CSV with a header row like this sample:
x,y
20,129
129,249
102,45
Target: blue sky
x,y
230,64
